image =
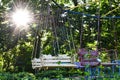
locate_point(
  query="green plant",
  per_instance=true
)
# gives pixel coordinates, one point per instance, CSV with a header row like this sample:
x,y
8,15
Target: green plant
x,y
25,76
17,76
1,63
6,76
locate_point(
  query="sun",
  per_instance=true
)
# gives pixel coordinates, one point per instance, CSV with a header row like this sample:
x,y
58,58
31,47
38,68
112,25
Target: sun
x,y
21,17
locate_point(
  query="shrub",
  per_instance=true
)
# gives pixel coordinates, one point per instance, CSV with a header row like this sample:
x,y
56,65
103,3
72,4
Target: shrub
x,y
17,76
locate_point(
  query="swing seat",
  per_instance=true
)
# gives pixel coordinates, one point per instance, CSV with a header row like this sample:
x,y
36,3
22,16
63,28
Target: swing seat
x,y
89,58
90,62
53,61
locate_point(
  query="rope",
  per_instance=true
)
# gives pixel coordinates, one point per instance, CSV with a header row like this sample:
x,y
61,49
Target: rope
x,y
80,13
71,34
115,39
56,38
57,5
53,33
69,21
35,44
68,39
98,29
81,33
89,15
114,27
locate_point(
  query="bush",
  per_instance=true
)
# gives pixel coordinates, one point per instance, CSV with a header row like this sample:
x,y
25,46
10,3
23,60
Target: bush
x,y
6,76
58,73
17,76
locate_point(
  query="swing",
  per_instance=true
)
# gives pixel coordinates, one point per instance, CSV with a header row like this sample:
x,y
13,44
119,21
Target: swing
x,y
57,61
47,61
40,60
89,58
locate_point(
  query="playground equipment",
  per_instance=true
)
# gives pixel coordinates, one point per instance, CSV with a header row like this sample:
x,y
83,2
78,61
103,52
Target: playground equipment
x,y
53,61
89,58
59,25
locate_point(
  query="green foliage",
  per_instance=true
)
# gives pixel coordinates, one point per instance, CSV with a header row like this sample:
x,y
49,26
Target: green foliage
x,y
17,76
58,73
24,75
1,63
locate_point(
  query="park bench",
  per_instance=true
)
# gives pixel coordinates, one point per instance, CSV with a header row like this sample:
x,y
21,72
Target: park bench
x,y
53,61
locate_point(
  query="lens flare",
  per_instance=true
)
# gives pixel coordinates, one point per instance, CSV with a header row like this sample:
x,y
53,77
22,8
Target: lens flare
x,y
21,17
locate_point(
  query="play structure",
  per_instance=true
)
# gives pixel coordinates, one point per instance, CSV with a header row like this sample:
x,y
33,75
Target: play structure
x,y
55,40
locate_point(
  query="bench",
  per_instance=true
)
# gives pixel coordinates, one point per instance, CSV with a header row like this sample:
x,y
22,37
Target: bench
x,y
53,61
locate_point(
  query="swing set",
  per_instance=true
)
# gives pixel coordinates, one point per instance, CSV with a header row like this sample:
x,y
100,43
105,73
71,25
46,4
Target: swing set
x,y
58,24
